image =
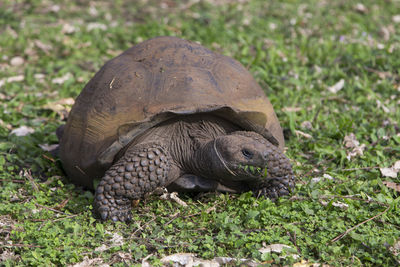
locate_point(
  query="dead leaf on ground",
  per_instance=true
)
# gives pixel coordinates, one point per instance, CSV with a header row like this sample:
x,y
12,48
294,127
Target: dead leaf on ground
x,y
392,185
391,171
18,78
306,125
382,106
337,204
303,134
336,87
47,147
6,125
278,248
190,259
62,79
42,46
90,262
61,107
95,25
395,250
350,141
22,131
17,61
304,263
116,240
68,28
396,18
292,109
360,8
119,256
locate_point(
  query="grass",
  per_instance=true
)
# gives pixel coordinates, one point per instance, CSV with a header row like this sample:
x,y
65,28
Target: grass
x,y
341,213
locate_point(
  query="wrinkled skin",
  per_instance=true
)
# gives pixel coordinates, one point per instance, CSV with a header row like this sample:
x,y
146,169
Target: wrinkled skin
x,y
198,153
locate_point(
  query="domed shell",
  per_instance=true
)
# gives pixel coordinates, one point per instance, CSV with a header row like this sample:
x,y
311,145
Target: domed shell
x,y
152,82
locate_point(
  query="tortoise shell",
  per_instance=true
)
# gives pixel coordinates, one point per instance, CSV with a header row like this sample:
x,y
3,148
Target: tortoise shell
x,y
149,83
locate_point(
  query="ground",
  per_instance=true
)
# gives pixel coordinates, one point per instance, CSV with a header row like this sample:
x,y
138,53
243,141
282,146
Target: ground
x,y
331,70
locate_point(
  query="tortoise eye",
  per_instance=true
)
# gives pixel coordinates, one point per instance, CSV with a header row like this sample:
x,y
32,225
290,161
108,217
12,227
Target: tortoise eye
x,y
247,153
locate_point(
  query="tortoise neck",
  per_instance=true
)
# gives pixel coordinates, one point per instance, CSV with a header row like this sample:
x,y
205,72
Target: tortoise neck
x,y
204,159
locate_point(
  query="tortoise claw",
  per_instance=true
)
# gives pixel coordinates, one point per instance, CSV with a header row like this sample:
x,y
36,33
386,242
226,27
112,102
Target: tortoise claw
x,y
104,215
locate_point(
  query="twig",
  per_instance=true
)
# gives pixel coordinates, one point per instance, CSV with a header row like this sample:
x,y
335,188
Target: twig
x,y
173,218
361,168
335,98
294,240
48,208
20,246
27,175
12,180
317,113
142,227
296,198
354,227
174,197
58,219
49,158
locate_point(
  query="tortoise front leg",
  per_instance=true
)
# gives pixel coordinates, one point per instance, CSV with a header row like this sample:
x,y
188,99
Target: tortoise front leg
x,y
142,169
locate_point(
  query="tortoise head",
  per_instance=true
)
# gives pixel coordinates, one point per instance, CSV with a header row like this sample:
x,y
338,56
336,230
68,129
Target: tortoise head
x,y
247,156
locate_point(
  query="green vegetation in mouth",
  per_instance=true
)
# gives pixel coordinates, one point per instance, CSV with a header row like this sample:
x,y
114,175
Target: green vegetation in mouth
x,y
255,170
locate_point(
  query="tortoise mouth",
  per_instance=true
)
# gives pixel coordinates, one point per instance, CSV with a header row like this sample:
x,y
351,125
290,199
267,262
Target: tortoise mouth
x,y
250,172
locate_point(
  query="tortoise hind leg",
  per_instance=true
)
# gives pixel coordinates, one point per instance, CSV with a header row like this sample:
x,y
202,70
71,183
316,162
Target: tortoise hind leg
x,y
142,169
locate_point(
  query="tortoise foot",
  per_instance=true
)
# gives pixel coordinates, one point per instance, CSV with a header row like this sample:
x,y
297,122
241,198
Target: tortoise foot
x,y
276,187
113,209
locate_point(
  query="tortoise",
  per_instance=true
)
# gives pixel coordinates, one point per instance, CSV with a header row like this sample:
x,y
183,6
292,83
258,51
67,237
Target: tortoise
x,y
170,113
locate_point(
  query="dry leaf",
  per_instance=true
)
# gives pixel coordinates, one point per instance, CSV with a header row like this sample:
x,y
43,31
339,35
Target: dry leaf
x,y
62,79
325,176
291,109
350,141
336,87
17,61
95,25
392,185
304,263
17,78
61,107
306,125
395,249
145,263
305,135
396,18
337,204
39,76
90,262
277,248
68,28
392,171
388,172
184,259
116,240
190,259
360,8
47,147
22,131
382,106
42,46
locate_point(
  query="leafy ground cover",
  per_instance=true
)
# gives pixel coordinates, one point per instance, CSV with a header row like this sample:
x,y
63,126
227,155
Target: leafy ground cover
x,y
331,70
